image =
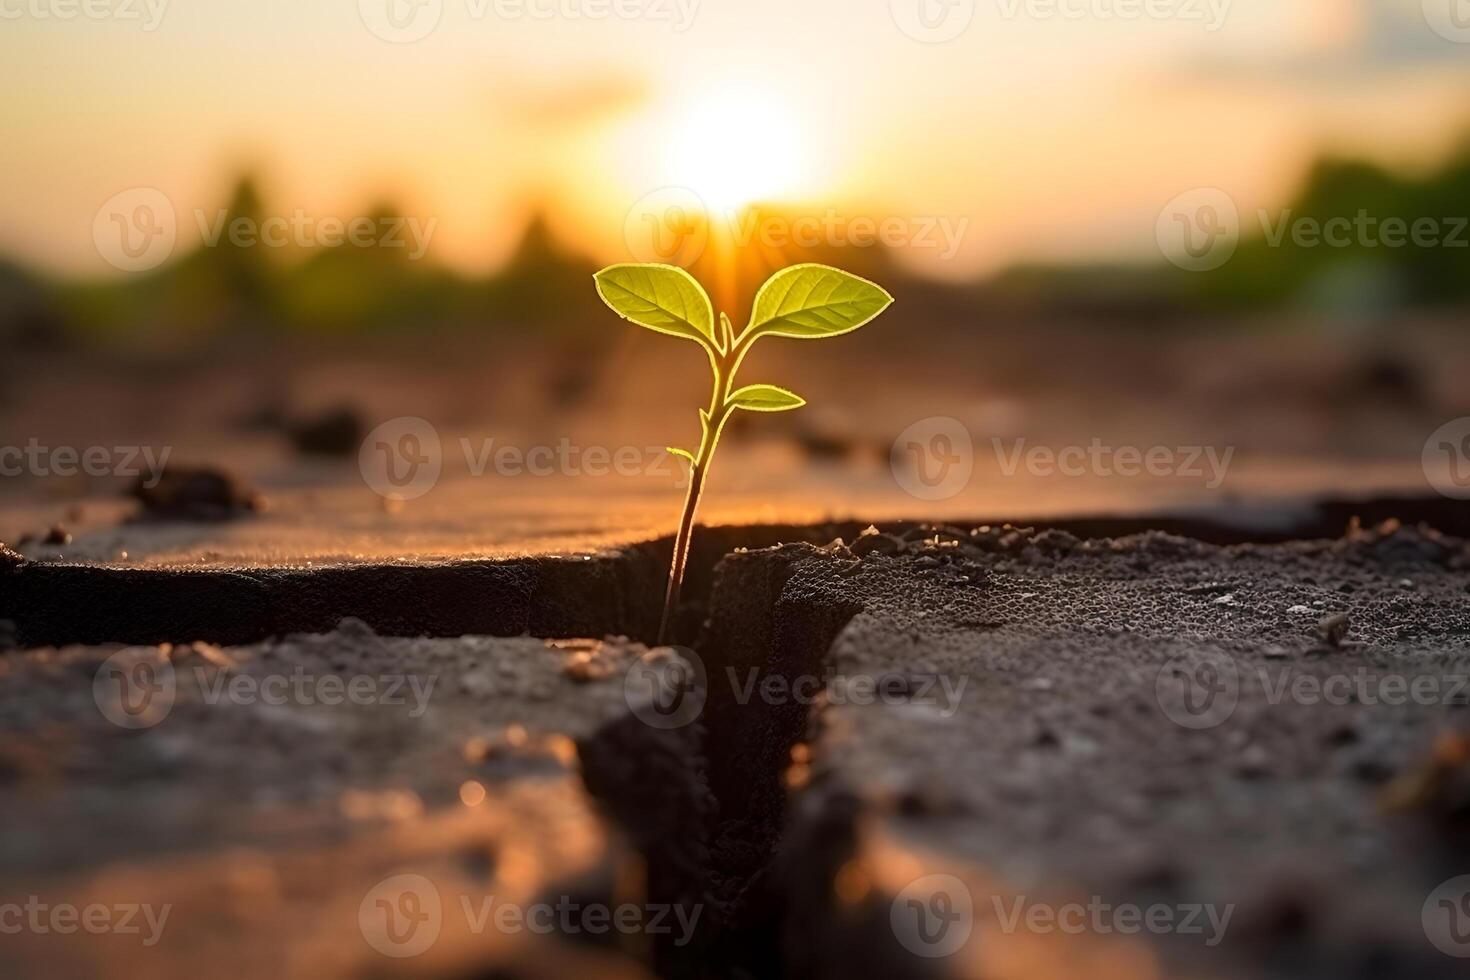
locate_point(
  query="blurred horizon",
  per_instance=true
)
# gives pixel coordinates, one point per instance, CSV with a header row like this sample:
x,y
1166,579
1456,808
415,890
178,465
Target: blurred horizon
x,y
392,277
1048,140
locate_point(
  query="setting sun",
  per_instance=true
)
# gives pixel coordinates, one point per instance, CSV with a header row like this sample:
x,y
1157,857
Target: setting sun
x,y
738,145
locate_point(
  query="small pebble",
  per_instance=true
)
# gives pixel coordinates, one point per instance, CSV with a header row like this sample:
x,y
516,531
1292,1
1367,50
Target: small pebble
x,y
1334,628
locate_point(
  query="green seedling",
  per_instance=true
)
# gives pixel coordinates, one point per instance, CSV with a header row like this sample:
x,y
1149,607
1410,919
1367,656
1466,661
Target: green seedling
x,y
807,302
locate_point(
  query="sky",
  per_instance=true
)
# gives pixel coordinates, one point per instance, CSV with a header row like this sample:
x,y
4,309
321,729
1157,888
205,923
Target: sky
x,y
1051,130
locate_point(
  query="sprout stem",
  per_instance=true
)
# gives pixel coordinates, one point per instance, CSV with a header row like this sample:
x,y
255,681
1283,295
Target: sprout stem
x,y
723,364
681,551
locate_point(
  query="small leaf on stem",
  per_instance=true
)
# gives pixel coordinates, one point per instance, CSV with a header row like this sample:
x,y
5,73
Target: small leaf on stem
x,y
766,398
727,334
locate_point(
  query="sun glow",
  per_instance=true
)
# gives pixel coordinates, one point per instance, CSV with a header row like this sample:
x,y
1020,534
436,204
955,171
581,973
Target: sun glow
x,y
737,146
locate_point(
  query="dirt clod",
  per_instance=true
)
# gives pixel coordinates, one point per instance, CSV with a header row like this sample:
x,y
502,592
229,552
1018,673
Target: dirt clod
x,y
196,493
335,432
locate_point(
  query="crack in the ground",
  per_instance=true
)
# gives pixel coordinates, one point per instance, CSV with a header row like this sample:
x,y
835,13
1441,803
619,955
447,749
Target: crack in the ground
x,y
614,592
712,835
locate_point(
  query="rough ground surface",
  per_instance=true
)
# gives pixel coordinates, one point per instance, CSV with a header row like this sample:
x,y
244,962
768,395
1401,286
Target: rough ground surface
x,y
1049,725
1060,772
266,821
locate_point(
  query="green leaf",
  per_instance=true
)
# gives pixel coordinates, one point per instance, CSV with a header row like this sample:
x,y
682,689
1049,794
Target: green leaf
x,y
727,333
810,301
660,297
676,451
766,398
